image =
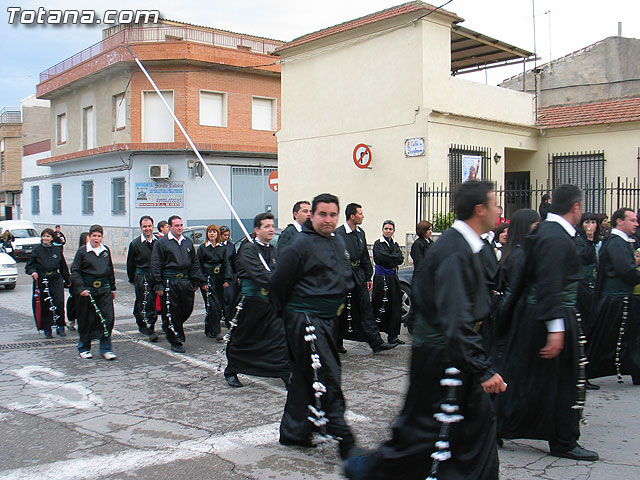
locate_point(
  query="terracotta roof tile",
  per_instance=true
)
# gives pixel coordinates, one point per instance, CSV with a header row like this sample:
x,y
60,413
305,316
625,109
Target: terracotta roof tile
x,y
408,7
595,113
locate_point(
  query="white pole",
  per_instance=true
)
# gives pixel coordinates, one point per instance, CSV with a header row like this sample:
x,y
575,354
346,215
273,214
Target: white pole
x,y
195,150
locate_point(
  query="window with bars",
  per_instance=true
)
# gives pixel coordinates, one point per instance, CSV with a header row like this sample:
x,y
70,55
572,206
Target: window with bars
x,y
468,162
35,200
56,199
118,196
87,197
585,170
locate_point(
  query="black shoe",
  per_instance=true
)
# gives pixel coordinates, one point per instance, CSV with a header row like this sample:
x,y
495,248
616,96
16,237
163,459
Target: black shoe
x,y
47,334
635,379
591,386
153,337
577,453
71,325
353,451
297,443
396,340
341,349
178,348
233,381
60,331
219,337
357,468
384,346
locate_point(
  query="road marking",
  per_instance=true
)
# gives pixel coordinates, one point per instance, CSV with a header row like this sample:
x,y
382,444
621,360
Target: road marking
x,y
105,465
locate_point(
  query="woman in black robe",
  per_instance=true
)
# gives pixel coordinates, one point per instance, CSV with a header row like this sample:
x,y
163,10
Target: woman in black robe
x,y
231,292
50,275
587,240
94,288
387,296
214,265
420,247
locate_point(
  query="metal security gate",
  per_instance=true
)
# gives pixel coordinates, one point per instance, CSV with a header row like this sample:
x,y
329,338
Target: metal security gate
x,y
584,169
250,195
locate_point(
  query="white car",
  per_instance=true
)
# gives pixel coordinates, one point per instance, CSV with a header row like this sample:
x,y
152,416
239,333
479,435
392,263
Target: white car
x,y
8,270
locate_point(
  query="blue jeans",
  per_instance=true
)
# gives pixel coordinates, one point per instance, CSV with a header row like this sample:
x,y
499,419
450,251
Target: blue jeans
x,y
105,345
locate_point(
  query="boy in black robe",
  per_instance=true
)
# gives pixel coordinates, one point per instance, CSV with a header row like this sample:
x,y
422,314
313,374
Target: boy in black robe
x,y
139,274
257,345
357,322
309,288
176,275
542,359
93,282
451,375
617,319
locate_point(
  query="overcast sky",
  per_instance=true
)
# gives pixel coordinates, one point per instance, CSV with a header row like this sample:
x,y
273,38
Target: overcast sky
x,y
569,26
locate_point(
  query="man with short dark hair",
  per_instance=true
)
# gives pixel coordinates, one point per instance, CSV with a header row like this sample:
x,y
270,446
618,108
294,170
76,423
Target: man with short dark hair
x,y
139,274
357,322
544,365
308,288
613,346
59,238
301,213
447,426
257,344
176,276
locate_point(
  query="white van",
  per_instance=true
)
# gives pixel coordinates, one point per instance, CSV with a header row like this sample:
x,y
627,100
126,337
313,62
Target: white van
x,y
26,237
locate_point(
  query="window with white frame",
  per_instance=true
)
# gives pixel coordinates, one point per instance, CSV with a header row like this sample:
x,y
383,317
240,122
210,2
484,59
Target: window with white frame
x,y
118,196
88,128
263,113
35,200
56,199
87,197
61,129
157,122
213,109
119,111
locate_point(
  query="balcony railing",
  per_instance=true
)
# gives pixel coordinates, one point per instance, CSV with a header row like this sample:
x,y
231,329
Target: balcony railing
x,y
161,34
11,115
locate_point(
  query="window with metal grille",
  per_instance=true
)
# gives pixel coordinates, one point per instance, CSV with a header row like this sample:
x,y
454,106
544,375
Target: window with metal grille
x,y
468,162
35,200
87,197
585,170
56,199
118,196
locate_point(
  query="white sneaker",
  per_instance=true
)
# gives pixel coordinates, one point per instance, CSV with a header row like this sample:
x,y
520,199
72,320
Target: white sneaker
x,y
109,356
86,355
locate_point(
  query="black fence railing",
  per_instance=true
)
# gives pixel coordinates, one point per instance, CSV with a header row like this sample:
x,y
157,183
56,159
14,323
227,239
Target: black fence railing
x,y
434,203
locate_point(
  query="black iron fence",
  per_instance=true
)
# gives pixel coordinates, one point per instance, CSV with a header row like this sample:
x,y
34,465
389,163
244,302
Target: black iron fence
x,y
434,203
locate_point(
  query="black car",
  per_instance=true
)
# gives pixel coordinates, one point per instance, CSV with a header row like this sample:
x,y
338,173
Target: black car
x,y
405,276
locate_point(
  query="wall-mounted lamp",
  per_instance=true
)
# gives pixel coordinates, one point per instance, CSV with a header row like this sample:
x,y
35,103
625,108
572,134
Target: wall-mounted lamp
x,y
496,158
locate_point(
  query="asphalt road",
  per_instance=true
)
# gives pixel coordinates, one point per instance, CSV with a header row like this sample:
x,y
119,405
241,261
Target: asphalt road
x,y
155,414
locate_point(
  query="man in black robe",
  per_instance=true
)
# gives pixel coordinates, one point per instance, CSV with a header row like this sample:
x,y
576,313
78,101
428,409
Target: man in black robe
x,y
176,276
447,426
309,288
617,319
301,213
357,322
543,355
139,274
257,343
93,282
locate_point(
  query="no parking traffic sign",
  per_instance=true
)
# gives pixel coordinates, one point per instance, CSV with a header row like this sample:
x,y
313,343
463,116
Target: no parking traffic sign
x,y
362,155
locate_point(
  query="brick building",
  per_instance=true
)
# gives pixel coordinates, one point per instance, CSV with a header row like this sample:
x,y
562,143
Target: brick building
x,y
10,156
115,151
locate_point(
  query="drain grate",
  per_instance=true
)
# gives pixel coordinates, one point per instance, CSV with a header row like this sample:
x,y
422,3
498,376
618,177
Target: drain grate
x,y
27,345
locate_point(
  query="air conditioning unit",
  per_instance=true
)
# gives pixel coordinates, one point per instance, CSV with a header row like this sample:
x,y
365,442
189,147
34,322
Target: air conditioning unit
x,y
159,172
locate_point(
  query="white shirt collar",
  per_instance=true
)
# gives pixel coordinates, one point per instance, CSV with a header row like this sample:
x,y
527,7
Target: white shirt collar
x,y
97,250
488,236
348,229
470,236
172,237
382,239
298,226
260,242
621,234
552,217
144,239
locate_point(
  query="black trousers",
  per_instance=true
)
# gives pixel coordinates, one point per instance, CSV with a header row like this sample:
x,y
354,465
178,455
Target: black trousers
x,y
144,308
295,427
56,294
181,298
